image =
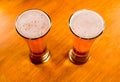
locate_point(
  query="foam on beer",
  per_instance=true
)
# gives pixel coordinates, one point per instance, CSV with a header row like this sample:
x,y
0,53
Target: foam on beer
x,y
86,24
33,24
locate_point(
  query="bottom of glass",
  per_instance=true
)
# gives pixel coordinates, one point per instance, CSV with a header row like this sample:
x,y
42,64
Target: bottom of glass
x,y
40,58
78,58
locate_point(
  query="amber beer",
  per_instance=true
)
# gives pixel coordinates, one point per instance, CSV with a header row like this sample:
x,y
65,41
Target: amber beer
x,y
86,25
33,25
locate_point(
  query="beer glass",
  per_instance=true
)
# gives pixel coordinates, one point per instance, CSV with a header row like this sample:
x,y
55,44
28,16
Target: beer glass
x,y
33,25
86,26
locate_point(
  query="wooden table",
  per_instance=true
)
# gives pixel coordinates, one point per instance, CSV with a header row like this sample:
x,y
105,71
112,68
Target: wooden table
x,y
104,65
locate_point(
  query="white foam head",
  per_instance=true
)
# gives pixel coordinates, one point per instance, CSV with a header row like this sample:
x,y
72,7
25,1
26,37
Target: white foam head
x,y
86,24
33,24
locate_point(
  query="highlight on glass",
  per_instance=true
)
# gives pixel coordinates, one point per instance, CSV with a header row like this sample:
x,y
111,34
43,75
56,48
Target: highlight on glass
x,y
86,26
33,25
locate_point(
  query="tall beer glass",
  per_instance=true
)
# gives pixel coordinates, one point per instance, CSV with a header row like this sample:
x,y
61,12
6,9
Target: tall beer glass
x,y
86,26
33,25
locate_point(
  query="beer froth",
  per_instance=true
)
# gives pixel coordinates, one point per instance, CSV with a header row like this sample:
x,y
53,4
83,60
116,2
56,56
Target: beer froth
x,y
86,24
33,24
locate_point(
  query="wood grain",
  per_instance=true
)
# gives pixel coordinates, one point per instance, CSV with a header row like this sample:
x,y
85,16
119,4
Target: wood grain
x,y
103,66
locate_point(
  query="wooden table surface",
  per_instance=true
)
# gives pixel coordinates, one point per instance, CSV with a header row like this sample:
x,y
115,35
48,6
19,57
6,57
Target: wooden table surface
x,y
104,65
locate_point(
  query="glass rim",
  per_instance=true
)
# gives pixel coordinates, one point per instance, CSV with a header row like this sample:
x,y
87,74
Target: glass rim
x,y
83,37
35,37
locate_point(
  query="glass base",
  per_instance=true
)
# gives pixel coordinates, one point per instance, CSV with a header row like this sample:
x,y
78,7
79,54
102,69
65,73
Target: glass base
x,y
78,58
40,58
